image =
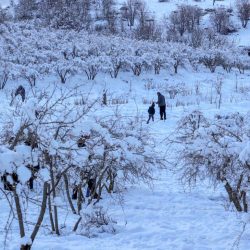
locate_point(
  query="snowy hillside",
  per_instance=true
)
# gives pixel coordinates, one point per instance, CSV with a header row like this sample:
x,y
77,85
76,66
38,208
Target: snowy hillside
x,y
81,165
159,10
166,215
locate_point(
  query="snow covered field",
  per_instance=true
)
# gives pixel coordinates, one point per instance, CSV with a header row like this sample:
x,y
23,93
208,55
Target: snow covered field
x,y
166,215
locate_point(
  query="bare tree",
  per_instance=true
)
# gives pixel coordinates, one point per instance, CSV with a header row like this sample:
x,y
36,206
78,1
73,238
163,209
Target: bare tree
x,y
204,153
4,77
214,40
70,14
185,18
178,22
26,9
147,28
243,7
129,11
110,14
211,60
63,73
4,16
220,20
196,38
142,17
218,88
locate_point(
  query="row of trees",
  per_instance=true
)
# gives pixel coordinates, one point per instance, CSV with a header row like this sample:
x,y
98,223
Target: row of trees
x,y
31,53
132,18
83,14
186,19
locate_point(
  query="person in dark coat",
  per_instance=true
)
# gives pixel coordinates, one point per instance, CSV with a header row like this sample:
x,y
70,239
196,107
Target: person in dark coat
x,y
162,105
91,189
20,91
151,112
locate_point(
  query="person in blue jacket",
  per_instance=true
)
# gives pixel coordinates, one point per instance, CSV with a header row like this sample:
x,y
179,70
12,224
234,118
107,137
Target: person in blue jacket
x,y
151,112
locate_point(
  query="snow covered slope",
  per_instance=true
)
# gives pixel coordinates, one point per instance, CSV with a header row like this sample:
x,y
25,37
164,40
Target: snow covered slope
x,y
161,9
166,216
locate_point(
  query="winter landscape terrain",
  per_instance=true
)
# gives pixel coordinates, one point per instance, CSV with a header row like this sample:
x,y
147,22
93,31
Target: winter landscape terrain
x,y
81,168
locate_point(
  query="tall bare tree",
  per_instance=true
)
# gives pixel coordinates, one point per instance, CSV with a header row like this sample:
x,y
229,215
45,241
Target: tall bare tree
x,y
243,7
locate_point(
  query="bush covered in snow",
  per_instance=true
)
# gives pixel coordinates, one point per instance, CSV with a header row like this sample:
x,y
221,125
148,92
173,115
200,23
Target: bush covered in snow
x,y
66,151
32,53
216,149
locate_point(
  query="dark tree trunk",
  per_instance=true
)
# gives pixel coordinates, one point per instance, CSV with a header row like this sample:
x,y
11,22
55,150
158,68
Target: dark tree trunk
x,y
68,193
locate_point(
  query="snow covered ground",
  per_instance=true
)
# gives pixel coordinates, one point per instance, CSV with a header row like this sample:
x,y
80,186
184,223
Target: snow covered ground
x,y
166,215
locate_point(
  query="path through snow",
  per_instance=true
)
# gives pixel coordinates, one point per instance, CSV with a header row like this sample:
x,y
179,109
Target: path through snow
x,y
165,217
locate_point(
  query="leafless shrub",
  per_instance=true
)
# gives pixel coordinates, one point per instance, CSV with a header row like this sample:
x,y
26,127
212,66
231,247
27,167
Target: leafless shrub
x,y
97,221
196,38
218,88
118,100
244,89
177,89
243,7
31,136
4,77
3,15
150,85
220,20
130,10
207,150
185,18
80,101
211,60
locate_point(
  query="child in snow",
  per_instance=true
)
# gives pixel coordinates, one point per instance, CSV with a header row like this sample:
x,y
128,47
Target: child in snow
x,y
151,112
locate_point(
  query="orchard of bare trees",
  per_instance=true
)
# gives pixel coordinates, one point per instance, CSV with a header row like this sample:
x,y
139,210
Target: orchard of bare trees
x,y
48,153
41,52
